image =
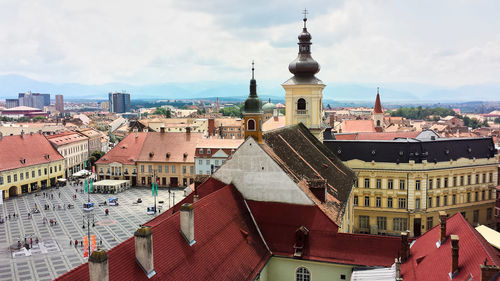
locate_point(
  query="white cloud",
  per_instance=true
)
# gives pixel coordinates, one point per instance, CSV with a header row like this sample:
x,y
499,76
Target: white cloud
x,y
449,43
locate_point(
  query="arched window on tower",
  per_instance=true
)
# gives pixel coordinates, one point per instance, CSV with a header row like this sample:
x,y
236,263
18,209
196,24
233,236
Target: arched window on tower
x,y
301,106
251,125
378,123
302,274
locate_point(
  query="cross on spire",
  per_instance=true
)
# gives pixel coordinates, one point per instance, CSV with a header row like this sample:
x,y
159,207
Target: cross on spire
x,y
253,69
305,16
377,90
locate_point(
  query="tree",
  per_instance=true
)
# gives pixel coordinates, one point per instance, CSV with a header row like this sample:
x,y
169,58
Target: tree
x,y
96,155
163,111
497,120
232,111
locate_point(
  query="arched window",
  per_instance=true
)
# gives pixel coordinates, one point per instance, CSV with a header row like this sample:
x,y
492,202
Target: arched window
x,y
301,104
302,274
251,125
378,123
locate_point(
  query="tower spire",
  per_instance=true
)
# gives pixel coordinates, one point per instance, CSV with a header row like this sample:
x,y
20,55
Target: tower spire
x,y
253,69
305,17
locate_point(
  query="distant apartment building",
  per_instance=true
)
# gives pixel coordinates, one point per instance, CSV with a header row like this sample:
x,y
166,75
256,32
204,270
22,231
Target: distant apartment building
x,y
119,102
60,103
35,100
74,147
212,153
404,183
230,128
10,103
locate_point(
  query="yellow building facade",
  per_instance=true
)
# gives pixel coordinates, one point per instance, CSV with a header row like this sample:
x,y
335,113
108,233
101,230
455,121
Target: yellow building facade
x,y
168,174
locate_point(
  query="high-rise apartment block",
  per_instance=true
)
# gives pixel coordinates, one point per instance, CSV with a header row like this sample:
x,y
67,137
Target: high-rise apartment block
x,y
35,100
10,103
119,102
60,103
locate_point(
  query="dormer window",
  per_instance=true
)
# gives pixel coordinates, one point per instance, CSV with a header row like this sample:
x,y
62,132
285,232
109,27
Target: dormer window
x,y
209,151
23,161
200,150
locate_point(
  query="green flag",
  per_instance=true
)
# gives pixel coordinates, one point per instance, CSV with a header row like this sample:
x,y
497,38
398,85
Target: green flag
x,y
86,187
91,186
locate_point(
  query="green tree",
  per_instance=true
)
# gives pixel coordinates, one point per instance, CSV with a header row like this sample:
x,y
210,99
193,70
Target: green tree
x,y
96,155
497,120
163,111
233,111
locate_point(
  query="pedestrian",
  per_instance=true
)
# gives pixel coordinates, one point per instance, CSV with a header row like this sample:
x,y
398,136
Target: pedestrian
x,y
36,240
9,216
76,243
59,194
31,242
14,215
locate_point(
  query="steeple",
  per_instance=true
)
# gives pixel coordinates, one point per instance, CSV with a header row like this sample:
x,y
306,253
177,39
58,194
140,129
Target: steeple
x,y
304,66
378,106
252,111
253,104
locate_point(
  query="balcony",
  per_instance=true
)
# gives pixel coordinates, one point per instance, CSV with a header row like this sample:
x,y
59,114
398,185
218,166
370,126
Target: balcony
x,y
301,111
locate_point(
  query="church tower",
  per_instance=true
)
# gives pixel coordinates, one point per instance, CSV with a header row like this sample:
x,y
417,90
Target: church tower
x,y
304,92
378,114
252,112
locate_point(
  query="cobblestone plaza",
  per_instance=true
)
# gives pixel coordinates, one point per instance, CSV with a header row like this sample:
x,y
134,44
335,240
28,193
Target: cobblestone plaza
x,y
54,254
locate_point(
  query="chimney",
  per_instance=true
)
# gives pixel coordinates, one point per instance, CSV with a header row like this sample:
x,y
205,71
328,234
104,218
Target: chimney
x,y
98,266
1,136
318,188
162,129
405,249
276,114
332,120
135,132
211,126
442,219
454,254
195,197
397,263
488,271
22,134
188,130
143,238
187,222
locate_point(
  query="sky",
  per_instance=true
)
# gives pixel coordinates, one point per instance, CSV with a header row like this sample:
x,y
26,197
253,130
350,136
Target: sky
x,y
444,43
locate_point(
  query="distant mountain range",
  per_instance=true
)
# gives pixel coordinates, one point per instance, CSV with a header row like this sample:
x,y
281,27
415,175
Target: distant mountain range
x,y
11,85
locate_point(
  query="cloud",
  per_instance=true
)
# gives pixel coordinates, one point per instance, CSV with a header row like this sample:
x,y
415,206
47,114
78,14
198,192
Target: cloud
x,y
449,43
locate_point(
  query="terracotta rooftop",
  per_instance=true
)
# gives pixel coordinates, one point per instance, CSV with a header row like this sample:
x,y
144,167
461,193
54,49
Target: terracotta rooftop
x,y
355,126
428,262
219,143
125,152
228,122
376,136
272,124
17,152
66,138
157,145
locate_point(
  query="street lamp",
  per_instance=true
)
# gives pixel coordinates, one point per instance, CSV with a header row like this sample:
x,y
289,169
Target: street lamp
x,y
89,217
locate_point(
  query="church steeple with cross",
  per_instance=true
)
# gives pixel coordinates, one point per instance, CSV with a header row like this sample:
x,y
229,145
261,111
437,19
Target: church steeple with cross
x,y
252,111
304,91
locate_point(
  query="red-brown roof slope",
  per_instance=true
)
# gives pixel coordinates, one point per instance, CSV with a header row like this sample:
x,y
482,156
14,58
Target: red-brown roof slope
x,y
33,149
354,126
228,246
376,136
66,137
157,145
435,263
125,152
279,221
378,106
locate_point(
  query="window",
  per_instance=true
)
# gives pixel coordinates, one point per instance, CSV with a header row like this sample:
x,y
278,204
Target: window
x,y
438,201
382,223
430,183
417,203
367,183
389,202
367,201
200,151
166,169
454,181
33,173
209,151
150,168
476,195
27,175
183,169
251,125
402,203
463,214
438,183
445,182
453,199
489,194
1,180
379,183
482,195
173,169
15,177
45,171
489,213
461,180
491,177
445,200
468,197
430,222
417,185
301,104
484,178
402,184
159,169
469,179
142,168
216,162
476,216
390,184
378,202
207,162
302,274
429,204
191,169
51,170
477,179
355,200
356,183
364,221
399,224
8,178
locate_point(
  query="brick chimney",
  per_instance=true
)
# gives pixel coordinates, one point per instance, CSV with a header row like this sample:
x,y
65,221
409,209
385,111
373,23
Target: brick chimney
x,y
332,120
98,266
162,129
1,136
276,114
187,222
454,254
22,134
405,247
211,127
318,188
188,130
442,233
143,238
488,271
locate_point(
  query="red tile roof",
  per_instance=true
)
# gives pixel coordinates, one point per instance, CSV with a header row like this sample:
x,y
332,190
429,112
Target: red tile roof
x,y
435,263
376,136
354,126
66,138
228,246
32,148
125,152
159,144
278,223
